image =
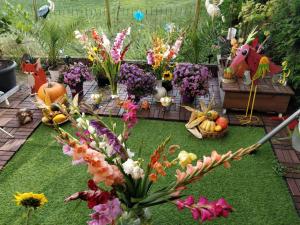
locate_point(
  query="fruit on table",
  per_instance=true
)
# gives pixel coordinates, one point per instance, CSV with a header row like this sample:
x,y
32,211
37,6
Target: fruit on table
x,y
54,107
51,92
45,119
218,128
223,122
59,118
212,115
208,125
195,122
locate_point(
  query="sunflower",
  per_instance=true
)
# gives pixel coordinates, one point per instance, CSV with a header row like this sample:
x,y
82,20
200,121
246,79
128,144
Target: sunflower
x,y
167,75
30,199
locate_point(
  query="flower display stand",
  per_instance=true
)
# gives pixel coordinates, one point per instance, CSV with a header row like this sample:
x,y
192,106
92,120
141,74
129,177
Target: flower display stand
x,y
270,97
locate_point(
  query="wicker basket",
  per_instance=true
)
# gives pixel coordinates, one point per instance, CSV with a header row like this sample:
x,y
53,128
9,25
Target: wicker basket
x,y
206,134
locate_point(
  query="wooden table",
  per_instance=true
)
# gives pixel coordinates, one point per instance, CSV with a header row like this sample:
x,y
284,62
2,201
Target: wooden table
x,y
269,98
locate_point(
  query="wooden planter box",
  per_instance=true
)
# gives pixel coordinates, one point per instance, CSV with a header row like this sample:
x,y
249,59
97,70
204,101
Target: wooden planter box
x,y
269,97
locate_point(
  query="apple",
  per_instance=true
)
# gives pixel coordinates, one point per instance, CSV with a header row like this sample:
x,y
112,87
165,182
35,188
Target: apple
x,y
223,122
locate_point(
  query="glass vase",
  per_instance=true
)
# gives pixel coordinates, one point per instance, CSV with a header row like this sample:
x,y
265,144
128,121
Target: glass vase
x,y
136,217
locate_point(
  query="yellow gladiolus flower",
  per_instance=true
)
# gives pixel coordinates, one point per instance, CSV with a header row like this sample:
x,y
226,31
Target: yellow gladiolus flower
x,y
91,58
186,158
30,199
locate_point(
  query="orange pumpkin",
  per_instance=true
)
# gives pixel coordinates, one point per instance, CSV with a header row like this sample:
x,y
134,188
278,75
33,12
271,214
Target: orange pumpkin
x,y
52,92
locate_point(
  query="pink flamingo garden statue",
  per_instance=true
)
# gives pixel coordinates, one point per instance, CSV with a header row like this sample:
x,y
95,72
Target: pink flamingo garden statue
x,y
248,58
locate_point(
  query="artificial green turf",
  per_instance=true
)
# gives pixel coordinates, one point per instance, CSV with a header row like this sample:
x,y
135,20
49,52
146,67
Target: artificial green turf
x,y
258,195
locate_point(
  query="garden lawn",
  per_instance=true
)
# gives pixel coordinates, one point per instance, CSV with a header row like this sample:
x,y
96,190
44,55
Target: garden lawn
x,y
258,195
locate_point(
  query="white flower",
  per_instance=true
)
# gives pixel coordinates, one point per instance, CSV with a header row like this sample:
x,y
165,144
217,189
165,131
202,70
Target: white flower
x,y
129,153
93,144
128,31
106,42
77,33
132,168
91,129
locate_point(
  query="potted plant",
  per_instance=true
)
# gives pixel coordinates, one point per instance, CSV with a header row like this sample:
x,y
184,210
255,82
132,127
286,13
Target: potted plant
x,y
99,74
192,80
138,83
75,76
7,67
54,37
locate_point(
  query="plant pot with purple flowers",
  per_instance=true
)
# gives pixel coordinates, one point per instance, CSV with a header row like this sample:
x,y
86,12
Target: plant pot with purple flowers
x,y
75,76
192,81
138,83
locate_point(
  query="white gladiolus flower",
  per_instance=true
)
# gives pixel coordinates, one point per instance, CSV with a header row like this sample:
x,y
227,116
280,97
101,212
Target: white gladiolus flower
x,y
132,168
93,144
129,153
91,129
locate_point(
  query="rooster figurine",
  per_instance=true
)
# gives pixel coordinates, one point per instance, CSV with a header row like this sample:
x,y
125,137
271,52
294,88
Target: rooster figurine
x,y
247,58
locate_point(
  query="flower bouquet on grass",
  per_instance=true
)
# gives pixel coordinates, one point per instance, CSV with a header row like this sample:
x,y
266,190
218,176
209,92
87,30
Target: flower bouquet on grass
x,y
192,80
75,76
128,183
139,83
109,57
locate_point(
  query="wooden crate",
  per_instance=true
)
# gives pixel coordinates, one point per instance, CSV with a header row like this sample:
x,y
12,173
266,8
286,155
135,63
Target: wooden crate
x,y
269,98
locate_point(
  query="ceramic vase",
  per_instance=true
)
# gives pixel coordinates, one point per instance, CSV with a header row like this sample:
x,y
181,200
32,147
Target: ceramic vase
x,y
160,91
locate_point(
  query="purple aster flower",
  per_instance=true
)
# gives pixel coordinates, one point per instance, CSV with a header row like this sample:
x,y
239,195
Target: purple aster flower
x,y
77,73
191,79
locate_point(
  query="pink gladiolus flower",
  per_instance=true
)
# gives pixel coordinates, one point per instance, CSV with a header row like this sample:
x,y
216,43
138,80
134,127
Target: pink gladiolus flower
x,y
67,150
130,117
118,45
150,57
204,210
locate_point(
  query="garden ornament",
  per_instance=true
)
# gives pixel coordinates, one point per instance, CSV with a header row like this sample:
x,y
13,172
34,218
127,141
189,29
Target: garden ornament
x,y
213,9
38,74
259,66
46,9
285,73
24,116
145,105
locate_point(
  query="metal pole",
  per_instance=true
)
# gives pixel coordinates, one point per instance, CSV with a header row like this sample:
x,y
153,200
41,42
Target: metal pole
x,y
279,128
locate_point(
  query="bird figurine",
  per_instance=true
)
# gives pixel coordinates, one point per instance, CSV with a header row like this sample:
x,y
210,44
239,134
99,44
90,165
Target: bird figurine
x,y
247,58
213,9
44,10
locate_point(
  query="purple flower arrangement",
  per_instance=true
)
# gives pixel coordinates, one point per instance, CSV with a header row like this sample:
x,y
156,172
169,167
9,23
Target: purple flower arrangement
x,y
138,82
77,73
191,79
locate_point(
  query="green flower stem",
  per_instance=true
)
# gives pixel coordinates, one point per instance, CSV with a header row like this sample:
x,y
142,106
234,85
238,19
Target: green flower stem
x,y
28,215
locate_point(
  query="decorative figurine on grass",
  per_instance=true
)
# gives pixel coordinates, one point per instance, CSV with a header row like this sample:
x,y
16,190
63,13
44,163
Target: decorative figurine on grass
x,y
258,65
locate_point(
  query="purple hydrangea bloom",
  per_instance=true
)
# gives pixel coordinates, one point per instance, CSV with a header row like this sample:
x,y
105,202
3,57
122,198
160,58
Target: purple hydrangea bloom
x,y
191,79
138,82
112,138
76,74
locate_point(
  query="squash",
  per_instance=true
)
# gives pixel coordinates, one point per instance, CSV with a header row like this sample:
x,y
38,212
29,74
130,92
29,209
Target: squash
x,y
228,73
59,118
52,92
212,115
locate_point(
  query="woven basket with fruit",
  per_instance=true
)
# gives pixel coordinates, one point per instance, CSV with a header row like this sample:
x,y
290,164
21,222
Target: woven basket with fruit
x,y
53,115
206,123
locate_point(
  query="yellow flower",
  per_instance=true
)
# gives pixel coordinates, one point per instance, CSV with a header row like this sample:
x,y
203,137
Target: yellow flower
x,y
30,199
91,58
186,158
95,49
167,75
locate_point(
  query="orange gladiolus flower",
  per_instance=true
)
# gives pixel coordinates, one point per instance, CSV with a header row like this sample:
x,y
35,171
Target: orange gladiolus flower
x,y
159,169
153,177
